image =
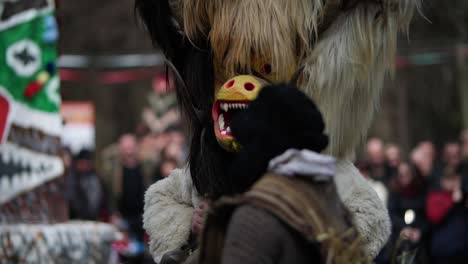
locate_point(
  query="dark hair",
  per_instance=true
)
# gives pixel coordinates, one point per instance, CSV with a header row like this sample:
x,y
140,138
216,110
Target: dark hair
x,y
417,185
84,154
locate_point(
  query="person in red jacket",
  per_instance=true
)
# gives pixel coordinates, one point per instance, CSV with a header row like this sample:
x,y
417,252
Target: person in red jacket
x,y
447,212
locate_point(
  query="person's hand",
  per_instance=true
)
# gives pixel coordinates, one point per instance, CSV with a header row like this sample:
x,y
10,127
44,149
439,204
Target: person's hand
x,y
457,195
406,233
415,235
412,234
198,218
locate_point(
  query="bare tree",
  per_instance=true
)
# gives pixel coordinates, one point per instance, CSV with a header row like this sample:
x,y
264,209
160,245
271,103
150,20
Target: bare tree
x,y
454,12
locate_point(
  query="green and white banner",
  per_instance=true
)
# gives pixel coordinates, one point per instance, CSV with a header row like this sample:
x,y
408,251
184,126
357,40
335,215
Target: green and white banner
x,y
30,122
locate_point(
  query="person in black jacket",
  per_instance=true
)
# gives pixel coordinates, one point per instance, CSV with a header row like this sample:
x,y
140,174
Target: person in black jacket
x,y
406,207
85,190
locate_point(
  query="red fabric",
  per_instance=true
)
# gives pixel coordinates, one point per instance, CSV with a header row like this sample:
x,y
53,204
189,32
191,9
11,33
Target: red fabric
x,y
438,205
32,89
4,112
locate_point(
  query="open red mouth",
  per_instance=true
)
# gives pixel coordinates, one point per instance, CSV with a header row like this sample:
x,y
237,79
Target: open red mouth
x,y
223,112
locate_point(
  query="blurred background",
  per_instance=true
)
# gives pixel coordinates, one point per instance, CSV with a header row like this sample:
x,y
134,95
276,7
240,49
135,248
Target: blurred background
x,y
425,100
121,123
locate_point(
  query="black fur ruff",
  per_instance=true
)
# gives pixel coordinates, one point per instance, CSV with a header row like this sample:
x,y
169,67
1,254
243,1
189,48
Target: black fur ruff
x,y
195,93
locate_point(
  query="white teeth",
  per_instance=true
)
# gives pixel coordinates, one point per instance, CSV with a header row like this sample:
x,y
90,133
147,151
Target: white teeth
x,y
25,179
35,164
34,169
227,106
16,182
221,122
6,157
5,184
224,106
15,158
5,187
35,178
24,158
228,129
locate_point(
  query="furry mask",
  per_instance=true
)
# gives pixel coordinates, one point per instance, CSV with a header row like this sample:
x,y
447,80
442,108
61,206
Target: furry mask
x,y
344,46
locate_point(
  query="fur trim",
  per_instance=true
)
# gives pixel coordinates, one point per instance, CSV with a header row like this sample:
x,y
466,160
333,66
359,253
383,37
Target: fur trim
x,y
369,213
169,206
168,212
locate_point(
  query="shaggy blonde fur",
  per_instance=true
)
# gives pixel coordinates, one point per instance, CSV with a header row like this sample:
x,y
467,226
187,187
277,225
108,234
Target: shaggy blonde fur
x,y
345,71
345,65
240,31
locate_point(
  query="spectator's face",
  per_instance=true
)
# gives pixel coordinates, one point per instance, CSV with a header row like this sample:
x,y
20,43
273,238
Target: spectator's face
x,y
452,155
173,151
405,176
393,156
177,137
167,167
449,184
375,151
428,150
160,141
423,160
128,150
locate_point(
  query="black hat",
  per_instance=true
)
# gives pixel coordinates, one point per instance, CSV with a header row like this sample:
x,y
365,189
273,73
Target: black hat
x,y
282,117
84,154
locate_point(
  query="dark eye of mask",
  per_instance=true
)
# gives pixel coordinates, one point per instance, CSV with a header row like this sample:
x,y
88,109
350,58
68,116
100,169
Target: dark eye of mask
x,y
267,68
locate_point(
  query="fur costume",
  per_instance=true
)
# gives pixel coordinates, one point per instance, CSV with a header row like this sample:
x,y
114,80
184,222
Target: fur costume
x,y
344,48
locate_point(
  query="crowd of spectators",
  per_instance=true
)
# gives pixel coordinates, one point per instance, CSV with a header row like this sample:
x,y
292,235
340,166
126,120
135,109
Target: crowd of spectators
x,y
109,186
427,198
114,190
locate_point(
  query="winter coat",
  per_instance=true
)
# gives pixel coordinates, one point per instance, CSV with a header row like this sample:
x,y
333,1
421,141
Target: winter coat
x,y
169,206
399,204
450,225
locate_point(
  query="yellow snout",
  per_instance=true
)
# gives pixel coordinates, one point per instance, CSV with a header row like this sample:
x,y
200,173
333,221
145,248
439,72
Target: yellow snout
x,y
233,96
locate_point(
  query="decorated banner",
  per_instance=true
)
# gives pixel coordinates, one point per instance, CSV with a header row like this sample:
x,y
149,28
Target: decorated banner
x,y
30,123
31,187
73,242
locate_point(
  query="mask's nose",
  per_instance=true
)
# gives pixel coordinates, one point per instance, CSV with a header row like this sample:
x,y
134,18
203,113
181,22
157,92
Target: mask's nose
x,y
243,87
